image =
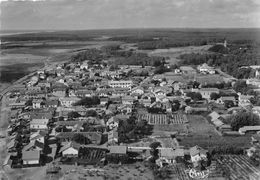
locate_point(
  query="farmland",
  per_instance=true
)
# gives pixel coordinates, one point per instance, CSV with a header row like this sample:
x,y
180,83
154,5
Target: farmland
x,y
239,167
204,134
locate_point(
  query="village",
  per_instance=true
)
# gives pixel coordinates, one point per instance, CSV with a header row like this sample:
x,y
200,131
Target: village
x,y
91,113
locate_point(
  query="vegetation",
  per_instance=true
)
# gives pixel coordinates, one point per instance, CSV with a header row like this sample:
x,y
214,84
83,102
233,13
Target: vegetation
x,y
244,119
229,61
88,101
195,96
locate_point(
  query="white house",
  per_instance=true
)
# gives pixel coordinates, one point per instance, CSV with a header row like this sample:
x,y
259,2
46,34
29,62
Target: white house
x,y
197,154
36,103
204,68
38,136
39,124
31,157
138,90
206,92
121,83
68,101
112,123
71,149
112,137
84,65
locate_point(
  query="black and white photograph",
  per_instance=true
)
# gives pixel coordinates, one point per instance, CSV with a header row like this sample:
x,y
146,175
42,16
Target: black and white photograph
x,y
129,89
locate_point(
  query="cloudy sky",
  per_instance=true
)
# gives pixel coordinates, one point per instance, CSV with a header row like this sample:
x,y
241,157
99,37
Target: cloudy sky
x,y
100,14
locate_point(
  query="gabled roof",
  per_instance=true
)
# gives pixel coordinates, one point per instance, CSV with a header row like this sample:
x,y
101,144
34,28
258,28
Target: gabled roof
x,y
39,122
38,134
197,150
33,143
70,144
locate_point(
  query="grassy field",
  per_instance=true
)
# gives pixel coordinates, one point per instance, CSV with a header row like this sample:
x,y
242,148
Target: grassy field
x,y
134,171
204,134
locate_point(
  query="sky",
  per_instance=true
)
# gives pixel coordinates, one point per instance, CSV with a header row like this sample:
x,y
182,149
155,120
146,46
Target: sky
x,y
110,14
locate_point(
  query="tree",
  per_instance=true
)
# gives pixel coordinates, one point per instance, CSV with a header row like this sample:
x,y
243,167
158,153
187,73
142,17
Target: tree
x,y
229,104
214,96
240,86
244,119
91,113
175,105
194,96
81,139
88,101
73,114
154,151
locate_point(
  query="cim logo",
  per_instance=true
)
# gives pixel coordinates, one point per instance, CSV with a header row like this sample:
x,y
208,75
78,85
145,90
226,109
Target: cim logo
x,y
193,173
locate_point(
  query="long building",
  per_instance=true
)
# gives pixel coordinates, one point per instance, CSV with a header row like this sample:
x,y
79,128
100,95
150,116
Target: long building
x,y
122,84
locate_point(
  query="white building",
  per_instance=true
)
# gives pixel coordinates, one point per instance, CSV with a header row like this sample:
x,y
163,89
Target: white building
x,y
204,68
39,124
68,101
122,84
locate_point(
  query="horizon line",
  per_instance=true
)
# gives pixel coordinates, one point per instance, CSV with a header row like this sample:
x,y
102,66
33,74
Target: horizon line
x,y
130,28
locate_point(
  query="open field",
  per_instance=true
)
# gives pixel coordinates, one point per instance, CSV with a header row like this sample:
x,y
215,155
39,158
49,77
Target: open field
x,y
131,171
174,53
204,134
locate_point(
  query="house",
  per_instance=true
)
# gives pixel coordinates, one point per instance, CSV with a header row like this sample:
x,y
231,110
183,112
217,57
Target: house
x,y
138,90
103,101
39,124
51,103
37,103
159,92
112,123
168,155
204,68
84,93
31,157
17,105
121,84
84,65
127,100
33,146
223,99
125,108
244,100
245,129
120,92
206,92
112,137
38,136
68,101
255,139
197,154
71,149
59,91
188,70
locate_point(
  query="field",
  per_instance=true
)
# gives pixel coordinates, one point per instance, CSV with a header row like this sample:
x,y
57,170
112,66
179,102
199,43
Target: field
x,y
239,167
113,171
204,134
174,53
